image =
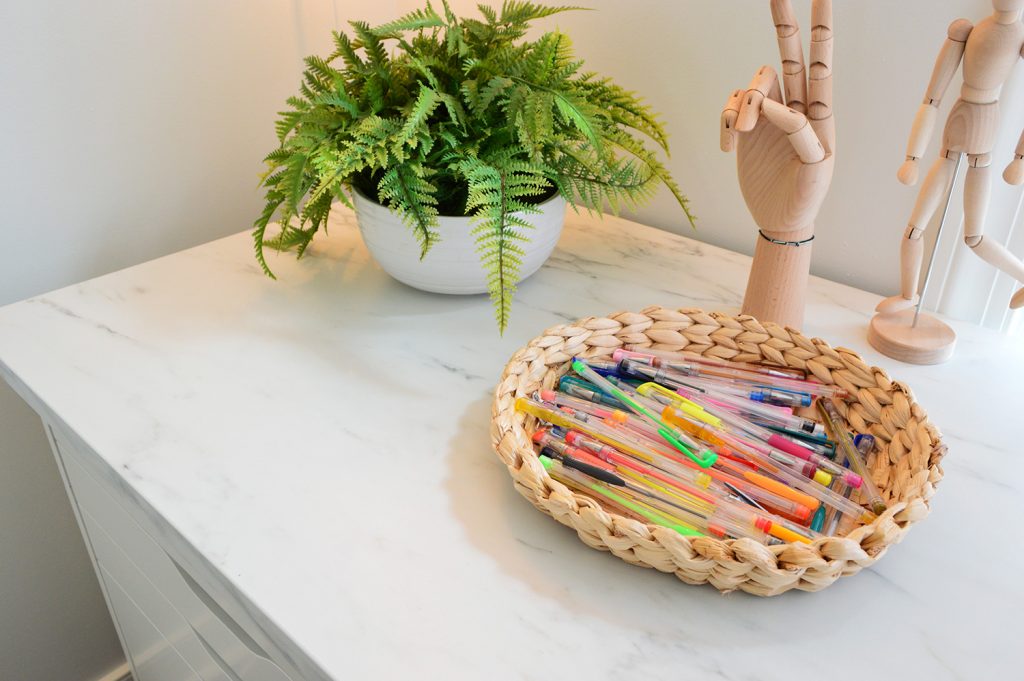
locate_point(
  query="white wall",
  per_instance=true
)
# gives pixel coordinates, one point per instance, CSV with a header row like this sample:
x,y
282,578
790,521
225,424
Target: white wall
x,y
131,130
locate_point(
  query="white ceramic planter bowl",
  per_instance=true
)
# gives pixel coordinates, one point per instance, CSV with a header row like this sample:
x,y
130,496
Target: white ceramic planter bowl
x,y
452,265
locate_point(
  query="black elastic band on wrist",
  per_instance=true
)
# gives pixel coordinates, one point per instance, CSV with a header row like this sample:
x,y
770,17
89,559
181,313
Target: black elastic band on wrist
x,y
785,243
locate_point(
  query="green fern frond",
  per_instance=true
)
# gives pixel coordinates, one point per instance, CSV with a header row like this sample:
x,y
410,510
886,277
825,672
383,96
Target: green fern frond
x,y
417,117
454,107
620,184
450,17
487,94
489,13
291,238
454,41
516,12
404,189
286,122
324,71
424,67
551,52
370,143
339,99
581,114
295,182
345,50
274,200
573,110
415,20
630,144
277,156
499,194
370,43
624,108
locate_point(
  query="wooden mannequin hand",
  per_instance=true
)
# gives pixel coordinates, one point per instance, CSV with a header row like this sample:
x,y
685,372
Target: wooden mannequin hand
x,y
785,154
908,172
1014,173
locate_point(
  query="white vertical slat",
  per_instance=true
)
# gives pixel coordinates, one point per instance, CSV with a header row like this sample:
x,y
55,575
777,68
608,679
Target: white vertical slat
x,y
313,21
1007,319
997,311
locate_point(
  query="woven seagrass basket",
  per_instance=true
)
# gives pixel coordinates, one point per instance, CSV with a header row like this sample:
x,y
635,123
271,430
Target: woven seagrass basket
x,y
905,463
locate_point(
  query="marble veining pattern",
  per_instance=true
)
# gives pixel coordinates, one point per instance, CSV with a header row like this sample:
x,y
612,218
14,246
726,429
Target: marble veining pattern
x,y
321,441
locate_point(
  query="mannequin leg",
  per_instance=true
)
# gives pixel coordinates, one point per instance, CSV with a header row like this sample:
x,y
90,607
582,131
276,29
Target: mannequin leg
x,y
912,247
977,190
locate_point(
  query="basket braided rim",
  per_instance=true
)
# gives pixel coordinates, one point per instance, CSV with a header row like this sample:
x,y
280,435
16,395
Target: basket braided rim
x,y
905,464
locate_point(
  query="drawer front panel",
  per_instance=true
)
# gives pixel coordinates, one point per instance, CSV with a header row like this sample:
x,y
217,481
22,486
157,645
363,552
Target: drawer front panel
x,y
228,641
160,613
153,658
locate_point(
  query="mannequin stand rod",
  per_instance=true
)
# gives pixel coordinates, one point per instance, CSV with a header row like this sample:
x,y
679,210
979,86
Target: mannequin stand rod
x,y
938,237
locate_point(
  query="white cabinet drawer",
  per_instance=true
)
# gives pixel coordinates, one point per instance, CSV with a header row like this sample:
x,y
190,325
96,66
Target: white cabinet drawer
x,y
213,629
153,658
160,613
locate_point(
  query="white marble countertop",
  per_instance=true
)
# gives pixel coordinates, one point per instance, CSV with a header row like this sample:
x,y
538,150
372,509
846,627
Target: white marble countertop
x,y
322,442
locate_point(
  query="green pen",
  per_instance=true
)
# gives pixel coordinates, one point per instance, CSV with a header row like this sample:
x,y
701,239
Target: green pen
x,y
819,519
705,459
655,518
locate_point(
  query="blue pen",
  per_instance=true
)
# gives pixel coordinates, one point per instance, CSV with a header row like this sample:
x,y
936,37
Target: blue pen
x,y
780,397
570,385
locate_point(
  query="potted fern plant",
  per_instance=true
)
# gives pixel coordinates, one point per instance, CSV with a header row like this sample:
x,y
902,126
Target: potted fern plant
x,y
457,134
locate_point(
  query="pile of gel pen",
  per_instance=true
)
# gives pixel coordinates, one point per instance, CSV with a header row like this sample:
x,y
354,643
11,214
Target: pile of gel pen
x,y
705,447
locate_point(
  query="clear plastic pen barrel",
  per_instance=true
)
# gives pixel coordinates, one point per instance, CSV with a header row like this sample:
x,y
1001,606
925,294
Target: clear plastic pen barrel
x,y
680,383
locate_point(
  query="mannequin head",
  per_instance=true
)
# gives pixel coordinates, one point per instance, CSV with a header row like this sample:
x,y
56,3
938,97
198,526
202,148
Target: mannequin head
x,y
1008,5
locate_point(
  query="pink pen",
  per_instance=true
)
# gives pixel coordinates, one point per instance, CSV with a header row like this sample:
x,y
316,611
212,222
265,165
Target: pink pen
x,y
731,372
780,372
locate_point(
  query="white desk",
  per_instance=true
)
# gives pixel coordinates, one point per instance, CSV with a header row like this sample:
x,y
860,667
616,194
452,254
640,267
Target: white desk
x,y
313,455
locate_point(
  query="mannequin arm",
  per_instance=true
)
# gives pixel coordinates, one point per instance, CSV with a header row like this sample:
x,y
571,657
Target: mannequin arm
x,y
1014,173
924,123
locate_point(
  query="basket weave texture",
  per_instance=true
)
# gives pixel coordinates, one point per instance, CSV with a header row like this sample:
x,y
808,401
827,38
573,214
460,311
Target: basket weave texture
x,y
905,464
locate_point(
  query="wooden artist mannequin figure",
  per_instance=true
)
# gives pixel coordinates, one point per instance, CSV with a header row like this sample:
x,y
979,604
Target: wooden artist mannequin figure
x,y
988,51
784,159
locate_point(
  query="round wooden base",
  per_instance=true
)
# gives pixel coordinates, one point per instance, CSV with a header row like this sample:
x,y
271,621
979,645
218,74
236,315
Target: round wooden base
x,y
930,342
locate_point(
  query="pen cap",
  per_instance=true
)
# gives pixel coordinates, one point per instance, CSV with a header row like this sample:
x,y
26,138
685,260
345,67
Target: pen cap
x,y
619,417
621,354
864,443
822,478
631,367
819,519
852,479
604,367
